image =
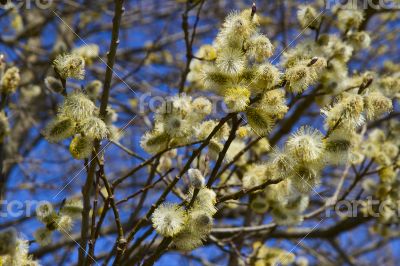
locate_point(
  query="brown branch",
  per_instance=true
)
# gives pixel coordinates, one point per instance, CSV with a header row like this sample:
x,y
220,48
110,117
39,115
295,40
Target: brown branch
x,y
86,191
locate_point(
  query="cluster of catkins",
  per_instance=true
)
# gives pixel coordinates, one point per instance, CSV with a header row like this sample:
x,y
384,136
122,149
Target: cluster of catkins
x,y
358,98
336,52
78,116
350,111
308,151
188,227
297,167
267,256
175,122
61,221
383,148
14,251
236,67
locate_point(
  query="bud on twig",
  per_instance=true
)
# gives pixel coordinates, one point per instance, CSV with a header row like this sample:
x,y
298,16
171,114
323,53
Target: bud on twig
x,y
2,59
313,61
253,10
196,178
365,85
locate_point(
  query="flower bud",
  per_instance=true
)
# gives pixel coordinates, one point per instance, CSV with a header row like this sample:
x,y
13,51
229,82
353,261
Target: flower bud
x,y
54,84
259,205
196,178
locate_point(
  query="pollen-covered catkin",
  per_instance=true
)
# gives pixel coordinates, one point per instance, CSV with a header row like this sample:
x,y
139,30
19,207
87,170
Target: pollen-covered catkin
x,y
349,18
206,127
187,241
10,80
304,177
59,129
64,224
259,120
308,17
77,106
175,121
53,220
267,77
154,141
359,40
346,113
273,102
338,146
81,147
376,104
94,128
205,200
200,222
202,106
231,61
237,99
260,47
70,66
305,145
169,219
255,176
19,256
